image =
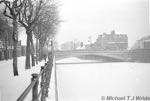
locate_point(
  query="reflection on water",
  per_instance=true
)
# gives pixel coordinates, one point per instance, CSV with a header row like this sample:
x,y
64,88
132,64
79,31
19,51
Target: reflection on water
x,y
88,82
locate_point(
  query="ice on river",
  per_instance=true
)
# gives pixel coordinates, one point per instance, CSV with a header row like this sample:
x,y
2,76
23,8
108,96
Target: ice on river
x,y
88,82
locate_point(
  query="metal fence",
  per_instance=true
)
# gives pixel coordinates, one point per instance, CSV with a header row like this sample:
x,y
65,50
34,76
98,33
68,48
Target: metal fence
x,y
45,76
8,54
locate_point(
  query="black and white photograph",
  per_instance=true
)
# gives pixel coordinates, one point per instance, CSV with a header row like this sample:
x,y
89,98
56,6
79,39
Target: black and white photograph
x,y
74,50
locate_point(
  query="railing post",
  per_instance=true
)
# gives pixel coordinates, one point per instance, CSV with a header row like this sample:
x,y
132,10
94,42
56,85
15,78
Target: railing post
x,y
43,80
49,74
46,79
35,87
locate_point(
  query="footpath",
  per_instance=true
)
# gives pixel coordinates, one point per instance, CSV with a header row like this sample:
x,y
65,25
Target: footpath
x,y
52,96
12,86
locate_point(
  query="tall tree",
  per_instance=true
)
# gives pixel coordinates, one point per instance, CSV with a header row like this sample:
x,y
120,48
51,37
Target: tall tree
x,y
47,25
27,18
12,10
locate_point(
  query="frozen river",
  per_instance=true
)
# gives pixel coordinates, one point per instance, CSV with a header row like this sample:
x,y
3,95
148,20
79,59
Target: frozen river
x,y
80,80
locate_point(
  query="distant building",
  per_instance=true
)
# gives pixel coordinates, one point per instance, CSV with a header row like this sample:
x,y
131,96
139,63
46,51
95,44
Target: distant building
x,y
143,43
112,41
9,45
68,46
1,44
140,52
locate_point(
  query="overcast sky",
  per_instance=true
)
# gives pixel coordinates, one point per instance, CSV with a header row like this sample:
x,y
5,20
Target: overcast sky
x,y
84,18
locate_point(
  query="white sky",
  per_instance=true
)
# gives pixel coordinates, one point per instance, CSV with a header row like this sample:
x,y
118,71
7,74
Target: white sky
x,y
84,18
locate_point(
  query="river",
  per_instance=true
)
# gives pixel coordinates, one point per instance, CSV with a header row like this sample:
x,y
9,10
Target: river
x,y
89,80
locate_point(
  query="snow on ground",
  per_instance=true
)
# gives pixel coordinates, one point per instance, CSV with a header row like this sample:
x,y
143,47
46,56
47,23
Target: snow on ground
x,y
86,82
52,87
51,96
73,60
11,86
89,82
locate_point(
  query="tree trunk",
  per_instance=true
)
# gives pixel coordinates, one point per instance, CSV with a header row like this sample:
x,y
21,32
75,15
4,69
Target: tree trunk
x,y
40,51
6,48
27,65
5,45
32,50
15,40
37,51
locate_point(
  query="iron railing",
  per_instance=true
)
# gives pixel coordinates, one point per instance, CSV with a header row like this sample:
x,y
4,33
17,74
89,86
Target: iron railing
x,y
45,75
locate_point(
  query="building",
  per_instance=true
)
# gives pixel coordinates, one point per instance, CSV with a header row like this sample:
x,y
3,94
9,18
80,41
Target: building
x,y
112,41
1,44
143,43
140,52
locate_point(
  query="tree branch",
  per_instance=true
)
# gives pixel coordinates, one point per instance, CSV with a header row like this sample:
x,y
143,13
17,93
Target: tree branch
x,y
7,14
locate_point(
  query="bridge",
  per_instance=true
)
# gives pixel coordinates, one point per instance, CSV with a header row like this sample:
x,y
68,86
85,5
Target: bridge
x,y
115,55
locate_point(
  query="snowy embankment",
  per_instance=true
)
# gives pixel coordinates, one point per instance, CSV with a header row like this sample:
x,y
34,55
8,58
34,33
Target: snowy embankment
x,y
52,87
11,86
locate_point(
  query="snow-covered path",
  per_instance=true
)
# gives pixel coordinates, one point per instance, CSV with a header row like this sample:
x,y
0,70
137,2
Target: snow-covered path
x,y
52,87
12,86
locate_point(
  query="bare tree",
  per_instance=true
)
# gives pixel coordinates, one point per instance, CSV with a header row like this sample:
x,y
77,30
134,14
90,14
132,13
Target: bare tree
x,y
47,26
27,18
12,10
